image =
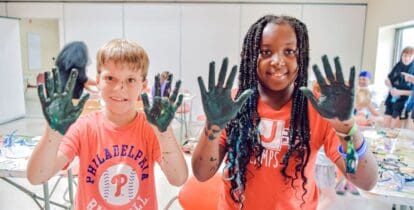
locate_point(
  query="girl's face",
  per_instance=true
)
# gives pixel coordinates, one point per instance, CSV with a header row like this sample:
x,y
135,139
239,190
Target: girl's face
x,y
277,63
120,87
406,58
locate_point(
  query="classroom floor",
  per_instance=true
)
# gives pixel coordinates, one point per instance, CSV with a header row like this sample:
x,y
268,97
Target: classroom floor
x,y
13,199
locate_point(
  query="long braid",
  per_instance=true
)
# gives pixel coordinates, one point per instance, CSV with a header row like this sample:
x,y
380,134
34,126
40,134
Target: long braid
x,y
243,139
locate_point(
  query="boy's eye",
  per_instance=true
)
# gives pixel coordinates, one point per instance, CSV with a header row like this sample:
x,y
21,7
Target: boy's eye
x,y
131,80
109,78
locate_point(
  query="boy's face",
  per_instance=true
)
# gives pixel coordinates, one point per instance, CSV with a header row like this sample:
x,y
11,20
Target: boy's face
x,y
277,64
363,81
120,87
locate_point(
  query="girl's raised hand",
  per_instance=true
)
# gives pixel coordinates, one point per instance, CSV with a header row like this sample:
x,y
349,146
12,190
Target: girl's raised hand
x,y
337,98
217,103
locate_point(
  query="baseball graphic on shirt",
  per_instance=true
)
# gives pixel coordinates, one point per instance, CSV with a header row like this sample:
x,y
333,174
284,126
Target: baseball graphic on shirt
x,y
119,184
271,132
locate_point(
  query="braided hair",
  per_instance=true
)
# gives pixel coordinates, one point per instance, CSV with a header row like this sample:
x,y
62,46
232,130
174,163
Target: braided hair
x,y
243,139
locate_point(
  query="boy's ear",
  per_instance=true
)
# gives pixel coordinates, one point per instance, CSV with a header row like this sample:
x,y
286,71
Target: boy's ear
x,y
145,84
98,79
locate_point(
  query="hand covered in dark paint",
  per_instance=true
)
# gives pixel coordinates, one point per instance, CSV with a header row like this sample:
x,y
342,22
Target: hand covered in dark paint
x,y
337,98
217,103
57,105
163,109
167,90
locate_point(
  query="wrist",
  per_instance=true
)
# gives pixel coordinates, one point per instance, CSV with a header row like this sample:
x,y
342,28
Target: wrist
x,y
361,151
348,130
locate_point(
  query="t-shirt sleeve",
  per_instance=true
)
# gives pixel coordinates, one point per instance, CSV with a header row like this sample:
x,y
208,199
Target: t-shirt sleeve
x,y
70,145
331,144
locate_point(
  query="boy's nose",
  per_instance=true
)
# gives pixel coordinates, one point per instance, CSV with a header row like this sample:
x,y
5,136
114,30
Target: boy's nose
x,y
120,85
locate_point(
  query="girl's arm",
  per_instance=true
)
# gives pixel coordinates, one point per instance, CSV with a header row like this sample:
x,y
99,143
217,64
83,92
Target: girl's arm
x,y
219,108
365,176
172,160
373,110
336,106
208,154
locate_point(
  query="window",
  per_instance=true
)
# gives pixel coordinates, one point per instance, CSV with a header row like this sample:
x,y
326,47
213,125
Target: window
x,y
404,37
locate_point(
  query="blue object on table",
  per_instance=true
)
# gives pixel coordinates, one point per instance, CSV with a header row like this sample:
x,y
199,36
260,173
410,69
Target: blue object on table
x,y
8,140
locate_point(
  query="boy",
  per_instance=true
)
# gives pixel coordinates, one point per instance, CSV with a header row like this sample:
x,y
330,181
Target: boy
x,y
117,147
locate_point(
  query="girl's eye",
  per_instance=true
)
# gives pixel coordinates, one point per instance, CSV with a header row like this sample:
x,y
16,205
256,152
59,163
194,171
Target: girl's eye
x,y
265,53
290,52
109,78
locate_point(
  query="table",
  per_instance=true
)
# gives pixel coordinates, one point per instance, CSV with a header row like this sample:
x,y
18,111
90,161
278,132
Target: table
x,y
13,162
396,170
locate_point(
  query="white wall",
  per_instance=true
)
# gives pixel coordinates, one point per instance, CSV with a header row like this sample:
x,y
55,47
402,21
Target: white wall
x,y
105,22
11,74
331,33
3,9
184,37
157,29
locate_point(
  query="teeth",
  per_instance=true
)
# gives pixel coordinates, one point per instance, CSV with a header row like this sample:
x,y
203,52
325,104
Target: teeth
x,y
277,74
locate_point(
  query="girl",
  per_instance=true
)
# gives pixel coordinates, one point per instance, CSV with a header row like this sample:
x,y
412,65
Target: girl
x,y
400,89
365,112
266,169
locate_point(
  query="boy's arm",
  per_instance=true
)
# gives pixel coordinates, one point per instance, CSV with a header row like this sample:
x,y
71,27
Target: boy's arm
x,y
46,160
172,160
208,155
59,113
159,115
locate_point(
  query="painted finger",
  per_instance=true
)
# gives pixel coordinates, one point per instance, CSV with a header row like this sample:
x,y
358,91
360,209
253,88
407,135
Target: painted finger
x,y
338,71
175,92
145,100
49,85
70,84
352,77
243,97
157,85
57,81
232,75
328,69
319,77
211,76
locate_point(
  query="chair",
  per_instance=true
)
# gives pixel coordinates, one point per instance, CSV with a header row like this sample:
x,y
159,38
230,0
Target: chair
x,y
195,195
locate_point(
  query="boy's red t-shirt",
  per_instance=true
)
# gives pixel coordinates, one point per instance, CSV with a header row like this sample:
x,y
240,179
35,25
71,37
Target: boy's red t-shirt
x,y
116,164
266,188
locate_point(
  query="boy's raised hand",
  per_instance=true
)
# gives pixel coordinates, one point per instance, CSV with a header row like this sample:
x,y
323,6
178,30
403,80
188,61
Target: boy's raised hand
x,y
163,109
217,103
337,98
57,105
